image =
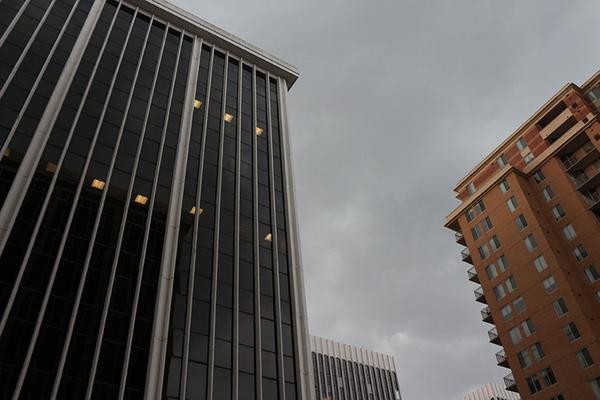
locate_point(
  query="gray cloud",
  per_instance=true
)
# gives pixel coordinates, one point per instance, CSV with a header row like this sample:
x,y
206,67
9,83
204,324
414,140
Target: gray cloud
x,y
396,101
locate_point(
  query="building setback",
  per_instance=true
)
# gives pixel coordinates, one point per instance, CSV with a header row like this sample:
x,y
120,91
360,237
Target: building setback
x,y
344,372
529,218
148,237
491,391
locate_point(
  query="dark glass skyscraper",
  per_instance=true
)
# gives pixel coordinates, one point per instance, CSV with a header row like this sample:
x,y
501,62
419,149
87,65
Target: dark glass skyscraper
x,y
148,242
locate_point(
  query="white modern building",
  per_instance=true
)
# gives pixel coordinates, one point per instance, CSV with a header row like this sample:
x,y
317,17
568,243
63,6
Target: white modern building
x,y
492,391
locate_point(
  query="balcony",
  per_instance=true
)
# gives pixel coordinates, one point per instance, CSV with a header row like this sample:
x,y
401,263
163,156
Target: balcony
x,y
460,238
466,256
509,382
479,296
592,199
583,182
591,155
501,359
472,273
486,315
493,335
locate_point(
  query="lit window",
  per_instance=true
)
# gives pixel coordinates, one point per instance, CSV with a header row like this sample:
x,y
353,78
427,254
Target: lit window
x,y
98,184
530,242
51,167
580,252
140,199
550,284
193,211
259,131
585,358
7,153
558,212
572,332
569,232
591,274
521,144
228,117
512,204
197,104
269,237
548,193
560,307
540,263
521,222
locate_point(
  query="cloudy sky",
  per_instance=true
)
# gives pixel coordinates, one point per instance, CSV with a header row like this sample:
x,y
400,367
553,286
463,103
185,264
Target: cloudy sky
x,y
397,100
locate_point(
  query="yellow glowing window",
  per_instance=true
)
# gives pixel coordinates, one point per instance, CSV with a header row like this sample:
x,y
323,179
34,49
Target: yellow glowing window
x,y
141,199
228,117
259,131
197,104
193,210
51,167
269,237
98,184
7,153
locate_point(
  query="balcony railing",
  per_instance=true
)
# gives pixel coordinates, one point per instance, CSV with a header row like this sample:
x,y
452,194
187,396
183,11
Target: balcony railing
x,y
592,198
509,382
486,315
479,296
502,359
584,182
466,256
460,238
493,335
472,273
569,161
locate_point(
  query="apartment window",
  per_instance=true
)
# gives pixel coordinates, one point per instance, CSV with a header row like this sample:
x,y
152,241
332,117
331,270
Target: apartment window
x,y
548,376
558,397
524,358
592,274
595,383
558,212
521,222
471,188
479,207
548,193
560,307
537,351
585,358
484,252
521,144
569,232
580,253
515,335
504,187
501,161
476,232
470,215
511,284
534,384
572,332
530,242
540,263
519,304
499,292
538,176
502,264
491,271
550,284
528,158
512,204
494,243
486,224
507,312
528,327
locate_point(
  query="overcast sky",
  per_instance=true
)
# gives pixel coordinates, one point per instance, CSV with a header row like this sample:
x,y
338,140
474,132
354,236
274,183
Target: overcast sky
x,y
397,100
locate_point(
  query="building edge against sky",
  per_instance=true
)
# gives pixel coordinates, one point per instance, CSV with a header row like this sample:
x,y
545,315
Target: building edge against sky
x,y
491,391
342,371
68,67
529,220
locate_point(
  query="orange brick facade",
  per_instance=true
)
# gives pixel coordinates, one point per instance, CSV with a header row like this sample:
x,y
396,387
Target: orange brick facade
x,y
531,227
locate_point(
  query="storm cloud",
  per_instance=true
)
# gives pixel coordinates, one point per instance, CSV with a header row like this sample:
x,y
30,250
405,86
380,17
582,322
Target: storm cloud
x,y
397,100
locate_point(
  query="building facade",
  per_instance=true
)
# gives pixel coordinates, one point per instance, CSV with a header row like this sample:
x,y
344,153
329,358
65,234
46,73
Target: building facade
x,y
491,391
529,220
148,237
344,372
